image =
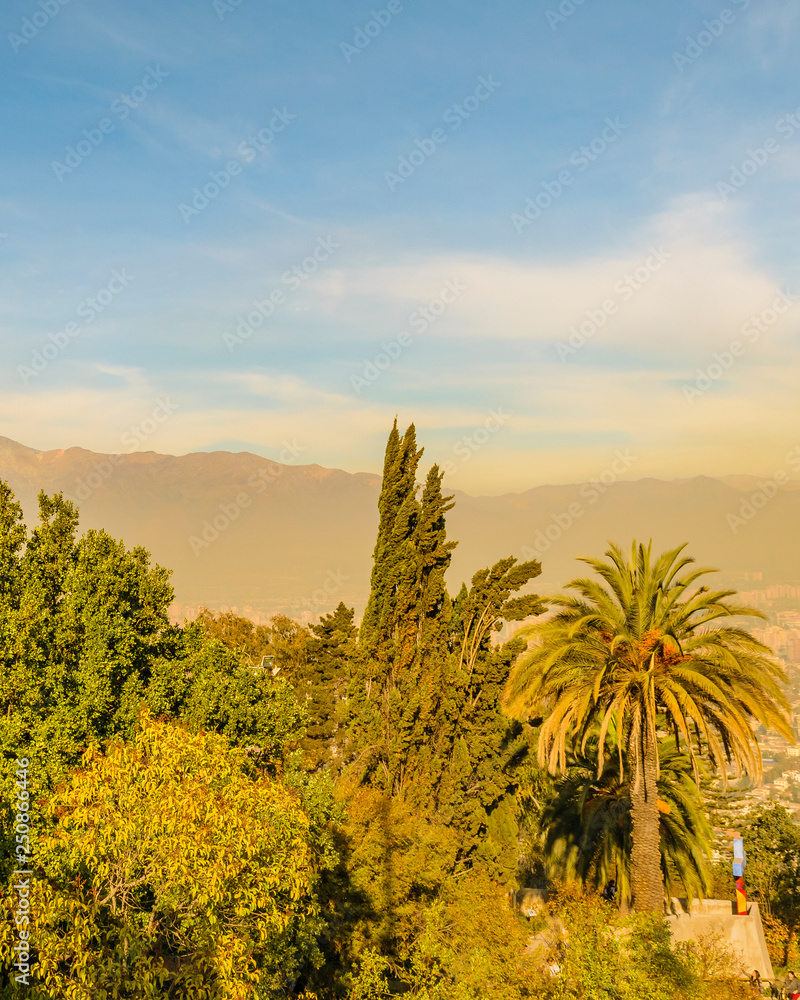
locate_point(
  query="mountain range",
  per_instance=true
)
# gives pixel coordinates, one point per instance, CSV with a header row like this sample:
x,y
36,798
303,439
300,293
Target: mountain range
x,y
241,531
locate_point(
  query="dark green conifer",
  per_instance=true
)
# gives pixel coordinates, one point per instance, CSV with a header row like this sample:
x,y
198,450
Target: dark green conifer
x,y
433,554
330,650
425,715
479,748
375,701
393,563
403,637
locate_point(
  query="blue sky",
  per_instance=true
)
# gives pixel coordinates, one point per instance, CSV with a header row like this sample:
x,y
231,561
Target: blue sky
x,y
364,172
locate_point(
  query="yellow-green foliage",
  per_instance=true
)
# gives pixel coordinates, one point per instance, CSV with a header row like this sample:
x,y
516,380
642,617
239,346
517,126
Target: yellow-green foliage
x,y
472,946
370,982
169,871
605,956
781,940
396,861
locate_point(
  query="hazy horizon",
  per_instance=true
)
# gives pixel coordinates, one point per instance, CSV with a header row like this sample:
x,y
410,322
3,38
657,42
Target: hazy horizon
x,y
610,473
242,530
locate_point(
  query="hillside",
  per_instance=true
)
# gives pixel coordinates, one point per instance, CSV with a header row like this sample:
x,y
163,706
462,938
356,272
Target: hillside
x,y
239,530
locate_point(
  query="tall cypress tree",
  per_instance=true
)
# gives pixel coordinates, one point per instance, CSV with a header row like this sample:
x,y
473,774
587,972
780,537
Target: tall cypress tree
x,y
393,555
375,698
424,649
433,554
403,636
426,721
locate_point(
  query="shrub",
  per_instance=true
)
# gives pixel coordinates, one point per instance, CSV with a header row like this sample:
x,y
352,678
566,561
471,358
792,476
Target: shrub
x,y
170,871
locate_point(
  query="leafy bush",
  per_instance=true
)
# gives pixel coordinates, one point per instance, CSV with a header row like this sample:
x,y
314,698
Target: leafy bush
x,y
170,872
781,940
607,956
473,946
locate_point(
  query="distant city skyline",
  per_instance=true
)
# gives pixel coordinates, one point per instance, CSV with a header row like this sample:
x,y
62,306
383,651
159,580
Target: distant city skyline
x,y
550,235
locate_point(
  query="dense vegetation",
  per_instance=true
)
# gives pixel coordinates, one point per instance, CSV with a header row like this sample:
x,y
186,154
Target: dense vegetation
x,y
354,820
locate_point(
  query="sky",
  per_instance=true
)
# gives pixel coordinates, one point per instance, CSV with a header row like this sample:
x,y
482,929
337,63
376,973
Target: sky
x,y
559,237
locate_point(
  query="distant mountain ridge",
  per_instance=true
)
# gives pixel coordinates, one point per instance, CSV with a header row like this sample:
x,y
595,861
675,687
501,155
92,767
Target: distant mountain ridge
x,y
240,530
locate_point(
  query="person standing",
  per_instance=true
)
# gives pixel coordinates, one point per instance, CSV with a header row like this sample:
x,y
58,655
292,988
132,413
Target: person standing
x,y
792,986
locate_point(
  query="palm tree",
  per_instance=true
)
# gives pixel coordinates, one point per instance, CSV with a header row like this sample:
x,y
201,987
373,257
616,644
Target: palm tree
x,y
585,825
642,646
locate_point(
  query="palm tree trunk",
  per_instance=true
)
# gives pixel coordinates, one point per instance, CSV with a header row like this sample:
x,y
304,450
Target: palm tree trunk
x,y
647,880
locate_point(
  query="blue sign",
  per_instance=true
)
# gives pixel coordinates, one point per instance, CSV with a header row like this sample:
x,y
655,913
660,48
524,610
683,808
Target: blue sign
x,y
739,859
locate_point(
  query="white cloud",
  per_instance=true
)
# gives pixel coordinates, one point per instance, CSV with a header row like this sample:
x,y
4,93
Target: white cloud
x,y
699,289
566,417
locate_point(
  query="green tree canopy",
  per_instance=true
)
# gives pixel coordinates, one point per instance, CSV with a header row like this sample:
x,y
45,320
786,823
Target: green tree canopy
x,y
170,872
772,846
250,641
83,620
